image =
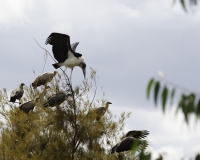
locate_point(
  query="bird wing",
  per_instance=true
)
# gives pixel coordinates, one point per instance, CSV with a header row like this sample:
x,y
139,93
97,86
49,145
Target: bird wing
x,y
74,45
137,134
61,46
14,92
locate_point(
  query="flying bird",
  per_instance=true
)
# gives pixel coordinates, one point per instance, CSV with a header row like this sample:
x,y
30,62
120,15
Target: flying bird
x,y
131,138
56,99
100,111
43,79
17,93
65,53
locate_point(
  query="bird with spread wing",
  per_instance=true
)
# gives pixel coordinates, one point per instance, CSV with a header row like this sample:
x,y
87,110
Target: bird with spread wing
x,y
130,139
65,53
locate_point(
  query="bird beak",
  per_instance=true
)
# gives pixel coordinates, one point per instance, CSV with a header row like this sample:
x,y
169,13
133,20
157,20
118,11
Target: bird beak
x,y
83,66
84,72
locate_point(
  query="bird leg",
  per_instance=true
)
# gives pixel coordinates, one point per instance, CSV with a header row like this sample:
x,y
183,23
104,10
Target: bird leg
x,y
71,75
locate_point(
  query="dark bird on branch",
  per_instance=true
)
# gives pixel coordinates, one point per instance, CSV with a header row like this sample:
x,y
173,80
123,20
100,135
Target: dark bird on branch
x,y
65,53
28,106
17,93
130,139
43,79
56,99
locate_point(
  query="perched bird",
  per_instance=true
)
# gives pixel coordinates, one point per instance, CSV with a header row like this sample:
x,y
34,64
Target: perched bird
x,y
127,143
56,99
100,111
131,138
137,134
28,106
43,79
64,53
17,93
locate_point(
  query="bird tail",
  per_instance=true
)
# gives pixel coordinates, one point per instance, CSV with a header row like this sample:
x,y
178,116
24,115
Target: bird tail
x,y
56,65
12,100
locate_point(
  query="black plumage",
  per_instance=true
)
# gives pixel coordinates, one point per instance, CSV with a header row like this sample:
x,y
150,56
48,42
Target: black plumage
x,y
56,99
27,106
127,144
65,53
17,93
129,139
137,134
61,46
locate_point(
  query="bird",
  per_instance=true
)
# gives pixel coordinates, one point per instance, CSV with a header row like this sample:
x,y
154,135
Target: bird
x,y
128,143
43,79
56,99
129,139
100,111
28,106
64,53
17,93
137,134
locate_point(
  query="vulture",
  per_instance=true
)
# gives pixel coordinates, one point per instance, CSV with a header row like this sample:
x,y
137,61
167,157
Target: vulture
x,y
127,143
129,139
137,134
56,99
43,79
100,111
65,53
28,106
17,93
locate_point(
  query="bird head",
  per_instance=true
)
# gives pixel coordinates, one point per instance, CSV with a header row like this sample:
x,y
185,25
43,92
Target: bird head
x,y
55,72
83,66
21,85
108,102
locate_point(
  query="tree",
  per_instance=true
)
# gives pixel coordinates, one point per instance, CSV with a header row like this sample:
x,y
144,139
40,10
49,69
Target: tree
x,y
65,131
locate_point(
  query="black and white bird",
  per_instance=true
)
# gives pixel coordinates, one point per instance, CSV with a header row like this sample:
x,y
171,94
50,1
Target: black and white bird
x,y
17,93
43,79
65,53
99,112
56,99
129,139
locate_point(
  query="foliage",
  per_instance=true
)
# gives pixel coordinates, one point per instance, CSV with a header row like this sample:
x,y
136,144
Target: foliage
x,y
61,132
189,102
183,3
165,91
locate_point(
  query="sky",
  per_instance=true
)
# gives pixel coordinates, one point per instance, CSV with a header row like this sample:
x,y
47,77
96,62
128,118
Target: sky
x,y
127,42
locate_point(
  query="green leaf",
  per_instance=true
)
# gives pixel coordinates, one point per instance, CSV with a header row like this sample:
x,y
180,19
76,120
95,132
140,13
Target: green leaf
x,y
156,90
198,108
197,157
149,87
172,96
164,98
183,4
144,156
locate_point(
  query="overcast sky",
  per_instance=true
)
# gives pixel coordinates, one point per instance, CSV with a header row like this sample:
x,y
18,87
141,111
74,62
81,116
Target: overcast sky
x,y
126,42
